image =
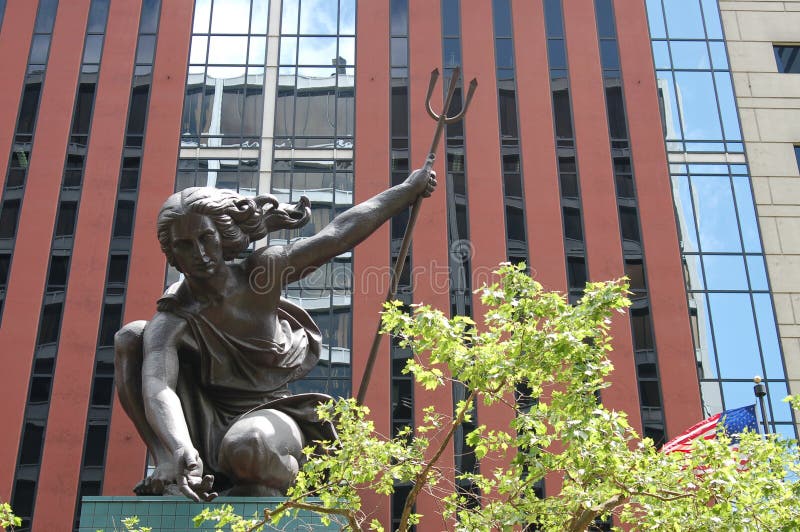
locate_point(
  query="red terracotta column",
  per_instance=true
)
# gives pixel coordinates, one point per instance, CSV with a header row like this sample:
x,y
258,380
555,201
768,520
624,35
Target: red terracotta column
x,y
598,192
66,426
538,147
484,182
430,278
35,229
673,336
371,257
16,35
125,460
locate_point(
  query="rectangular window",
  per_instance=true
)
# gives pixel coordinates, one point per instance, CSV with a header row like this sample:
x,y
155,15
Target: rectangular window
x,y
797,156
50,324
786,56
67,213
123,220
9,214
5,266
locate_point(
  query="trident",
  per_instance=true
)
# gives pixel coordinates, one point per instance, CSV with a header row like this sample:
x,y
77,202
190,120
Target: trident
x,y
441,120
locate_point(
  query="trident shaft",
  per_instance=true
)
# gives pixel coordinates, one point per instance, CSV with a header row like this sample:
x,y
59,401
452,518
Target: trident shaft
x,y
441,120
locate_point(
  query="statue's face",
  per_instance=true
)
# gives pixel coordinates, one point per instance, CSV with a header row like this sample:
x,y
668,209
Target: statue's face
x,y
196,246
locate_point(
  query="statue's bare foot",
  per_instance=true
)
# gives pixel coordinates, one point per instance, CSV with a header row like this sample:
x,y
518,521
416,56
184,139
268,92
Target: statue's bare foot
x,y
149,486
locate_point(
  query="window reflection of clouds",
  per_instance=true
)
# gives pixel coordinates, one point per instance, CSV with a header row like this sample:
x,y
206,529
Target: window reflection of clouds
x,y
347,17
747,214
202,16
661,54
318,17
698,105
197,55
735,336
655,17
316,50
757,272
260,13
719,58
258,49
227,50
780,410
716,216
767,331
230,16
725,272
684,19
727,105
739,394
288,54
711,15
691,55
289,17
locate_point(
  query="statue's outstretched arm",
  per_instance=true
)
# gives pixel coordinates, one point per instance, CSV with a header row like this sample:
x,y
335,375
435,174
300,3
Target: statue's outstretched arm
x,y
353,226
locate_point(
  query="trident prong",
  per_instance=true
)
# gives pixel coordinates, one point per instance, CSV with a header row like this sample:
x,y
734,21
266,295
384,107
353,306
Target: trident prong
x,y
441,120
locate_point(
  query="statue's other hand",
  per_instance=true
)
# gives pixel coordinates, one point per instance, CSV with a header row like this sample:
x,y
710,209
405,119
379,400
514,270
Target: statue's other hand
x,y
191,482
422,182
184,476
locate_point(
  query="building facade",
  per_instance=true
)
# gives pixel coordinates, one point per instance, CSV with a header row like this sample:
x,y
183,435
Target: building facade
x,y
603,141
763,47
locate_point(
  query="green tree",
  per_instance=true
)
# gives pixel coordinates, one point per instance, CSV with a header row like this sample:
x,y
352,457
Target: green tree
x,y
7,518
535,340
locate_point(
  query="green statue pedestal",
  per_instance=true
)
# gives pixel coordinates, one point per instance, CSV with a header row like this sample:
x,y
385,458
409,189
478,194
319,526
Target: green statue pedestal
x,y
175,514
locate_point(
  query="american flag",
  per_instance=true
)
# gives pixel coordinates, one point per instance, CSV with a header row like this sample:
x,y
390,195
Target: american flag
x,y
731,421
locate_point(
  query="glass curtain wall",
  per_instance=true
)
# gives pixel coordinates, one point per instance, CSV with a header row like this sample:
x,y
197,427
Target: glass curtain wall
x,y
731,310
315,116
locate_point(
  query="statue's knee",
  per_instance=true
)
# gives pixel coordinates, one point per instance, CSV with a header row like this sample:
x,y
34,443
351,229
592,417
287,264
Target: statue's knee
x,y
248,450
128,340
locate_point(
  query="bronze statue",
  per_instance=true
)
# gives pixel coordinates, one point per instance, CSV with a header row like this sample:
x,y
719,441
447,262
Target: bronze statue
x,y
205,380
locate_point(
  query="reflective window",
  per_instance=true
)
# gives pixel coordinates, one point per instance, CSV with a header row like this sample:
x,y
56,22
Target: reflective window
x,y
797,156
46,16
684,19
690,55
716,214
326,293
735,335
747,214
725,272
223,104
316,84
768,335
700,119
787,58
233,174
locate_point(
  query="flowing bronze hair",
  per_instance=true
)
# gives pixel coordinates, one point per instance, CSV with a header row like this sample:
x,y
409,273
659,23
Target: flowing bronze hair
x,y
239,220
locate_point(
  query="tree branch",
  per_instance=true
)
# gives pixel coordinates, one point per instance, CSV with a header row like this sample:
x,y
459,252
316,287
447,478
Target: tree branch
x,y
580,522
351,520
422,476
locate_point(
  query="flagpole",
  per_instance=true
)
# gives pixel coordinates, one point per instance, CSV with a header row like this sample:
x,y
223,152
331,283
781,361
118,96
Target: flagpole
x,y
760,391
